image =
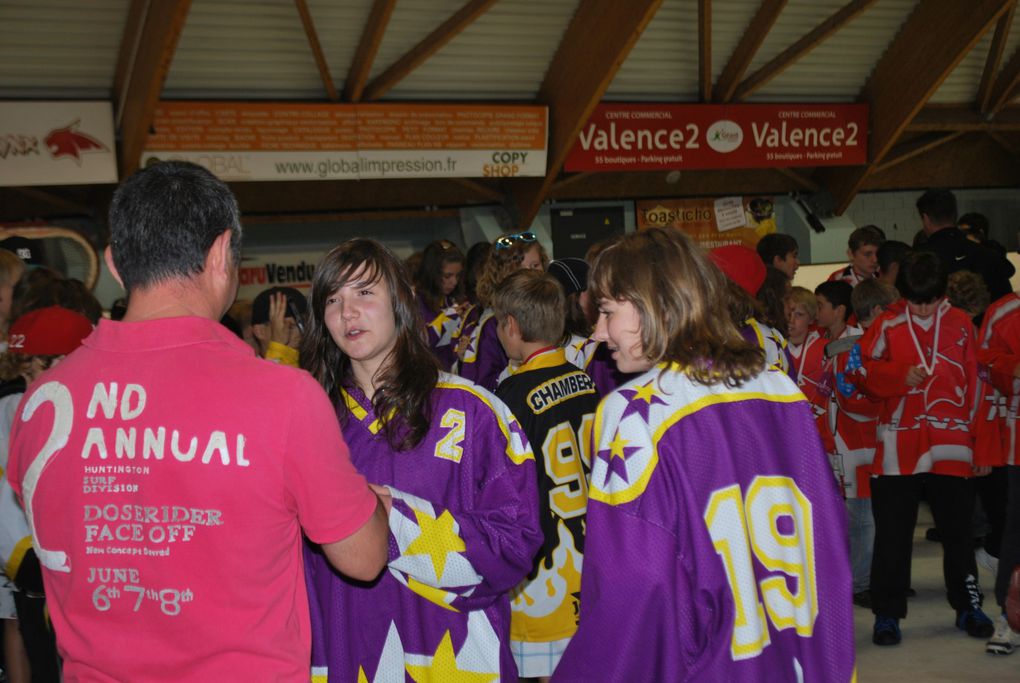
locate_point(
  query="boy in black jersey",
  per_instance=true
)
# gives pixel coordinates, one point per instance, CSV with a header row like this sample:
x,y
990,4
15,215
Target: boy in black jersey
x,y
555,403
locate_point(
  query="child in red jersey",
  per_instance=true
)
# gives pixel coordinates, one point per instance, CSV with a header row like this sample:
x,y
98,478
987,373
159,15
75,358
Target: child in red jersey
x,y
999,356
920,361
807,351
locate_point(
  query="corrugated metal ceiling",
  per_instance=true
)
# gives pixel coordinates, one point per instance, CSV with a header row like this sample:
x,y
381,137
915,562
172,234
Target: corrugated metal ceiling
x,y
838,68
502,55
60,48
243,49
257,49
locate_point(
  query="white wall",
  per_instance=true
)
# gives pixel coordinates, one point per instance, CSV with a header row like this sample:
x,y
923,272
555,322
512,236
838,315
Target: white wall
x,y
813,275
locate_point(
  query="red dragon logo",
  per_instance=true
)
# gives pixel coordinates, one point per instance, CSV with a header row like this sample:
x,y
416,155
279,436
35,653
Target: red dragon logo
x,y
68,142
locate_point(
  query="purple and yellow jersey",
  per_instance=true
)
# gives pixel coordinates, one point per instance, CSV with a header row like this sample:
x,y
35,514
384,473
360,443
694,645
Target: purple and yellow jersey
x,y
716,544
464,531
555,403
772,342
443,329
484,359
596,359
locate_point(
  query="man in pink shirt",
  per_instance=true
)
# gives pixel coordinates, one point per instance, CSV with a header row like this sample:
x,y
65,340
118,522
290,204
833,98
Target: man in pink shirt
x,y
167,473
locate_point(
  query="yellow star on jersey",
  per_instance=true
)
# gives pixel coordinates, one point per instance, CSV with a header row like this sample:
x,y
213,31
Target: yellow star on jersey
x,y
444,667
616,447
645,392
438,322
437,539
362,678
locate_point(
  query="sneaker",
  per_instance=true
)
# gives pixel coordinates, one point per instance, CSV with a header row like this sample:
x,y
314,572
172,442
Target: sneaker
x,y
975,622
886,632
985,560
863,599
1005,639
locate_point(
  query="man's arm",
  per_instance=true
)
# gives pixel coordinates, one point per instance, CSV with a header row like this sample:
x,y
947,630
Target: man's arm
x,y
363,554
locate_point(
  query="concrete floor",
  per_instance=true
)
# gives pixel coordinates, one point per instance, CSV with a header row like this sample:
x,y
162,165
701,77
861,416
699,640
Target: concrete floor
x,y
933,649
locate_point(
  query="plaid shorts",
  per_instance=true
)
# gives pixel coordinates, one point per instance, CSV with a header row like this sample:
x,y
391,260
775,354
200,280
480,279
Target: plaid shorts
x,y
537,659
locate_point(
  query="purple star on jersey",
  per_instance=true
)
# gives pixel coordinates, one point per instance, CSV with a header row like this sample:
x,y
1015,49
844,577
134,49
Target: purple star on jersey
x,y
640,400
517,429
616,457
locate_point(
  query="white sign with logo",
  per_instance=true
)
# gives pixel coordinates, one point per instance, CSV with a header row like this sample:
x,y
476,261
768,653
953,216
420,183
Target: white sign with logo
x,y
262,271
57,143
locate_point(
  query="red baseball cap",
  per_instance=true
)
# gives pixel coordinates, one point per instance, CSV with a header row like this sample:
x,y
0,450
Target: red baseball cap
x,y
51,331
740,264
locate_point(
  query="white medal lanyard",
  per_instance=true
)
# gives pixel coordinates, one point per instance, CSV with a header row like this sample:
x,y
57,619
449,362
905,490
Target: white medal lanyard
x,y
803,357
935,344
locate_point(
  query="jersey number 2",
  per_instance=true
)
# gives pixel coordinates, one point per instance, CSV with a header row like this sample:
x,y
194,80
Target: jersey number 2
x,y
774,524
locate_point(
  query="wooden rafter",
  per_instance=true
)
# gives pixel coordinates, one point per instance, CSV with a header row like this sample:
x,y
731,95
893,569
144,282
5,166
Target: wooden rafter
x,y
595,44
1012,149
368,46
480,188
568,180
53,200
802,180
933,40
431,44
129,42
966,119
156,40
994,59
705,49
916,147
788,57
317,53
747,48
1005,84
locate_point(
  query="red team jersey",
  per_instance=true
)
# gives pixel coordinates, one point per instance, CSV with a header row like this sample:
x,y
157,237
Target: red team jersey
x,y
925,428
810,373
998,355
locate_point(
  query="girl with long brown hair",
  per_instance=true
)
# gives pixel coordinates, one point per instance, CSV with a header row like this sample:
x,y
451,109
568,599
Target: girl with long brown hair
x,y
452,467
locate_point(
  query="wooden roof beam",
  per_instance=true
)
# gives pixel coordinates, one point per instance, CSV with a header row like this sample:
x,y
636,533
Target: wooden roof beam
x,y
747,48
1005,85
788,57
933,40
916,147
966,119
431,44
796,176
595,44
368,47
147,49
317,53
994,59
705,49
54,200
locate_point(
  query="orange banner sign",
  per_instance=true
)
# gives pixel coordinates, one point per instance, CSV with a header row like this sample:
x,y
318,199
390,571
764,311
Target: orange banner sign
x,y
712,222
278,141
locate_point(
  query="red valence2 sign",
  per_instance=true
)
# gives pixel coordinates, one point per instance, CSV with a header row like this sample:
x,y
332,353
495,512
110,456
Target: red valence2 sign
x,y
649,137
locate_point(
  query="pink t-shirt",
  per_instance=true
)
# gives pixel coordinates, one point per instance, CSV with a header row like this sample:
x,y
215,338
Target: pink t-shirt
x,y
168,474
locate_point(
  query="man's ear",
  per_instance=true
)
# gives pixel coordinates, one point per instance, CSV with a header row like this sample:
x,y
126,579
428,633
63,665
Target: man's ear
x,y
108,257
850,254
221,257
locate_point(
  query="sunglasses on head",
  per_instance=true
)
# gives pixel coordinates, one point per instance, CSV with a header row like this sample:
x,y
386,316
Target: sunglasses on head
x,y
507,241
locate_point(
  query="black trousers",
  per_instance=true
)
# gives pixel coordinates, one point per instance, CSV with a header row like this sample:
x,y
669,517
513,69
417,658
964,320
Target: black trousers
x,y
894,501
1009,550
991,491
